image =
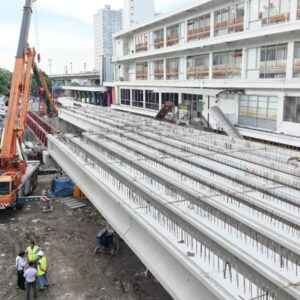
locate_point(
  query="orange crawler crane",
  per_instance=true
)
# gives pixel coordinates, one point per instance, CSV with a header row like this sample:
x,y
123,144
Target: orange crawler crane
x,y
17,176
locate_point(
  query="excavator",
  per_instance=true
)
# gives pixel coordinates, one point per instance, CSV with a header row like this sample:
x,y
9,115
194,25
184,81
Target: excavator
x,y
18,177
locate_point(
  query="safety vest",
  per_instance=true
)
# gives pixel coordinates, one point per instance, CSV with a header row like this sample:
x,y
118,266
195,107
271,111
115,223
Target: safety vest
x,y
32,253
42,263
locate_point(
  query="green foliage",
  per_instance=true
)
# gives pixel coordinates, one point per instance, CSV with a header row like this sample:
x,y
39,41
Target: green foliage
x,y
5,81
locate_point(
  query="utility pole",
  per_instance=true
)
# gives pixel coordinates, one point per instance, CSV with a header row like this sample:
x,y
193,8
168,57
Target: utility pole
x,y
71,67
50,65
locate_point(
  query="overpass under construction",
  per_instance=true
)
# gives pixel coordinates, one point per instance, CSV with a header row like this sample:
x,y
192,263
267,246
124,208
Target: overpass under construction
x,y
212,217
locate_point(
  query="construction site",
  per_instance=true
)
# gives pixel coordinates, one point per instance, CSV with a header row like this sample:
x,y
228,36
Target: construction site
x,y
127,203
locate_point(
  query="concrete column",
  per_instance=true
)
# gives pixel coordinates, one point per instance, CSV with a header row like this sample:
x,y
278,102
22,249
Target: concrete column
x,y
165,69
246,15
144,99
131,93
294,6
212,24
165,37
244,63
159,99
280,110
290,61
184,77
210,65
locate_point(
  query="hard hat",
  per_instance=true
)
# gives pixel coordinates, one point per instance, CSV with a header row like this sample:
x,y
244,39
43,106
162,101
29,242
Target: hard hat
x,y
41,253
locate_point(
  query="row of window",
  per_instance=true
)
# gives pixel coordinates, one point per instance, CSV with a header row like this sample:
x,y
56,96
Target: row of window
x,y
226,21
255,111
262,62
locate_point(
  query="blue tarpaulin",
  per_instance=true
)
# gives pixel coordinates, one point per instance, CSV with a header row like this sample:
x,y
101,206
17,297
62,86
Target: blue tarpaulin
x,y
62,186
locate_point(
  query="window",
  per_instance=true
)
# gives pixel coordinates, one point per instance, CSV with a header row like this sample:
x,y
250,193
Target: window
x,y
158,69
172,68
158,38
230,19
141,43
297,60
298,10
273,61
138,98
173,35
152,100
194,104
173,97
258,111
197,66
198,28
141,71
269,12
125,96
4,188
227,64
292,109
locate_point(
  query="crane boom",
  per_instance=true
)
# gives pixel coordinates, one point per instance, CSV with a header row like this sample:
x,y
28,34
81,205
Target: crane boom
x,y
8,153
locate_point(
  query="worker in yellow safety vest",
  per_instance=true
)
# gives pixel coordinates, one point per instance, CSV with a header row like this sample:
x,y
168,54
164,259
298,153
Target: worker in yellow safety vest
x,y
32,252
42,268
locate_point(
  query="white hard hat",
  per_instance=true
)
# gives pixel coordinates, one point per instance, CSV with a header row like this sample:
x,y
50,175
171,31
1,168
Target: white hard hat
x,y
41,253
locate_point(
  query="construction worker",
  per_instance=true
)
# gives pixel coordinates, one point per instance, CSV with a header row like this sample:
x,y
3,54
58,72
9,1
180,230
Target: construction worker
x,y
20,266
32,252
30,276
42,268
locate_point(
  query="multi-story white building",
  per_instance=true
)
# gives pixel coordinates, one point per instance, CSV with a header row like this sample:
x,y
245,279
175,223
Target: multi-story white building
x,y
243,56
137,11
106,23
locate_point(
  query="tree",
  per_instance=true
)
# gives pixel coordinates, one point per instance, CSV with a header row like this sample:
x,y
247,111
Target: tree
x,y
5,81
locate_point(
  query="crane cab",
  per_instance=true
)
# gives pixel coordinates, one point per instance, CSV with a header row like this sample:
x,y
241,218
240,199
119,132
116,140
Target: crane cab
x,y
8,190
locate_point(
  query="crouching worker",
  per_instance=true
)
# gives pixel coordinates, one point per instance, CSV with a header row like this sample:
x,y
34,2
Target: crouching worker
x,y
30,276
42,268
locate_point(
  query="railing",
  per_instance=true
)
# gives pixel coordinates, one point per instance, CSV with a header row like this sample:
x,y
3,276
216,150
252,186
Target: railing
x,y
282,18
141,47
159,43
172,73
141,75
226,71
296,69
199,33
235,25
276,68
198,72
159,74
172,40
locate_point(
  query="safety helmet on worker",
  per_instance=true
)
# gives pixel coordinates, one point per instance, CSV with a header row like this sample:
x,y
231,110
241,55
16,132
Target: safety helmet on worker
x,y
41,253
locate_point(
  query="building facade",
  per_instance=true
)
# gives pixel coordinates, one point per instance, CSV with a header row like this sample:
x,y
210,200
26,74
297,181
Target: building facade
x,y
106,23
137,11
243,56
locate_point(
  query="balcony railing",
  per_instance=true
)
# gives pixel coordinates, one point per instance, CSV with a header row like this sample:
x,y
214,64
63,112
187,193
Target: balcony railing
x,y
296,68
282,18
198,34
159,43
172,73
198,72
141,47
276,68
172,40
235,25
159,74
141,75
226,71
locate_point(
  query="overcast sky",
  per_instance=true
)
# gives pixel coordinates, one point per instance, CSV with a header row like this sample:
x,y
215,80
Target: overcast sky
x,y
61,30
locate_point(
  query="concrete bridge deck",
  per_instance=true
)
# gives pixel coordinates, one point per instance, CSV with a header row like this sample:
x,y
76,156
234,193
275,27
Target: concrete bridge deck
x,y
207,214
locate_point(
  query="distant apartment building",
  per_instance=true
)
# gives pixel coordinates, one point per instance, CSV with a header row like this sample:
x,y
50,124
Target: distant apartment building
x,y
106,23
137,11
243,56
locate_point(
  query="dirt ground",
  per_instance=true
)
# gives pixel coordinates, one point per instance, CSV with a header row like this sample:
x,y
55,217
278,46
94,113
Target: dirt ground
x,y
68,239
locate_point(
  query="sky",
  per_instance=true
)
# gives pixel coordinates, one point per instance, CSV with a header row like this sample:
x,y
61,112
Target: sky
x,y
61,31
